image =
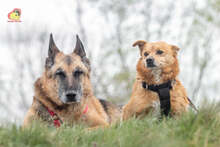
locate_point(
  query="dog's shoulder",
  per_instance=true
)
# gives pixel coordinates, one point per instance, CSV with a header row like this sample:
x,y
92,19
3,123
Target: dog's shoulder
x,y
112,110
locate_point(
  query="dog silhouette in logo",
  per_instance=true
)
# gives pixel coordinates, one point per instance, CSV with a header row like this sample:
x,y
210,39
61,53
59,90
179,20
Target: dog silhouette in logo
x,y
15,14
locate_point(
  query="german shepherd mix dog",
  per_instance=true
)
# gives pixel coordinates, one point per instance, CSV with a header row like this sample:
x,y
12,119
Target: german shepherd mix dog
x,y
64,92
156,82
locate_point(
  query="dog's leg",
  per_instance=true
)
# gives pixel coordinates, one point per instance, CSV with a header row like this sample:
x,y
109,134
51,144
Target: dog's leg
x,y
127,112
135,108
30,116
97,120
97,127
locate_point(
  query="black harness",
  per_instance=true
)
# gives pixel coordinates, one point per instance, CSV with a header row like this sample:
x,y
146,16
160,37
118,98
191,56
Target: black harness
x,y
163,91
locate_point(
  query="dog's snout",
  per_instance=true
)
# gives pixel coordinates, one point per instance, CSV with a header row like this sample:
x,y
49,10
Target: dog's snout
x,y
150,60
71,97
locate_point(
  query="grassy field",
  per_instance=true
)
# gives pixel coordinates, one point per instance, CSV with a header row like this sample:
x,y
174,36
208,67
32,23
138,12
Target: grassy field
x,y
191,130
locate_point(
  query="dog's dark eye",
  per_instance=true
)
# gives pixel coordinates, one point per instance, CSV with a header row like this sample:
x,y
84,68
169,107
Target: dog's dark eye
x,y
77,73
146,54
159,52
60,73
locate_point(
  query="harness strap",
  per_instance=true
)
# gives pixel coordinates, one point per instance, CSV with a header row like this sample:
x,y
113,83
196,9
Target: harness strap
x,y
163,91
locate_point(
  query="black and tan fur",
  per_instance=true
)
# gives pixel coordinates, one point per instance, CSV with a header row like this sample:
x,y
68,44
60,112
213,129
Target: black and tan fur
x,y
65,88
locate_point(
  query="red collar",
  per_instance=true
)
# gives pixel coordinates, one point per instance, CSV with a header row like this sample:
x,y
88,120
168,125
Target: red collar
x,y
56,120
85,110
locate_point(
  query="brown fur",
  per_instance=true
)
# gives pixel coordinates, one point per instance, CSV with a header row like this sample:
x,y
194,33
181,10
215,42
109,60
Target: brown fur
x,y
143,101
46,95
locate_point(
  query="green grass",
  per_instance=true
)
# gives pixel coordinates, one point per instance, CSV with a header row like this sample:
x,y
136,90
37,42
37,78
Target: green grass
x,y
191,130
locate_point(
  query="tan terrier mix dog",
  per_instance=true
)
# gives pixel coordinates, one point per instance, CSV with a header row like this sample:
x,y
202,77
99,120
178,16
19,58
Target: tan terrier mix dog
x,y
156,82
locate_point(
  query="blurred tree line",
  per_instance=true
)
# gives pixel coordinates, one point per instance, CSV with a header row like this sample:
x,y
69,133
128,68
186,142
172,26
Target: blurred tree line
x,y
191,26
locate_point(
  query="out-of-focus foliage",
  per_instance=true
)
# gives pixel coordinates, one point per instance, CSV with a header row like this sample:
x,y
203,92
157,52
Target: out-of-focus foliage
x,y
203,36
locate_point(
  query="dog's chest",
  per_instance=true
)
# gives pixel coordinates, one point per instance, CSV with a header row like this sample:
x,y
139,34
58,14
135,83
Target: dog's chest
x,y
157,75
152,101
44,114
156,107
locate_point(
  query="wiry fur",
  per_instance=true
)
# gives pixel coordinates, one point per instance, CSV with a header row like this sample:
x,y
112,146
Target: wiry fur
x,y
165,69
46,93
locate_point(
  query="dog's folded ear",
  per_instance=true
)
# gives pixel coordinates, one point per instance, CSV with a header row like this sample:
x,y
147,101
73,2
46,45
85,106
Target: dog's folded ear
x,y
140,44
79,48
52,51
175,49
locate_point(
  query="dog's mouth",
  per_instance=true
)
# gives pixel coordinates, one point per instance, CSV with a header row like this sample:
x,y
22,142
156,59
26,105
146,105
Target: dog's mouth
x,y
73,100
151,65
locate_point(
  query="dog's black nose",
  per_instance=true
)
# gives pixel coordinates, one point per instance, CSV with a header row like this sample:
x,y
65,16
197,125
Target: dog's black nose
x,y
71,97
150,62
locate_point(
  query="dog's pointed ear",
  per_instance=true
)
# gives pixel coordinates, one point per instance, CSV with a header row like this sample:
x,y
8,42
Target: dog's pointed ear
x,y
79,48
175,49
52,51
140,44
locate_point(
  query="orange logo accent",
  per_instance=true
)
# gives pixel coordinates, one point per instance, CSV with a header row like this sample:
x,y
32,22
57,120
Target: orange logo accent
x,y
14,15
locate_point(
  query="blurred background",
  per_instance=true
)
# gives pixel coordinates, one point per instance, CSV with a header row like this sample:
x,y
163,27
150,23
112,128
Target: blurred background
x,y
108,29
